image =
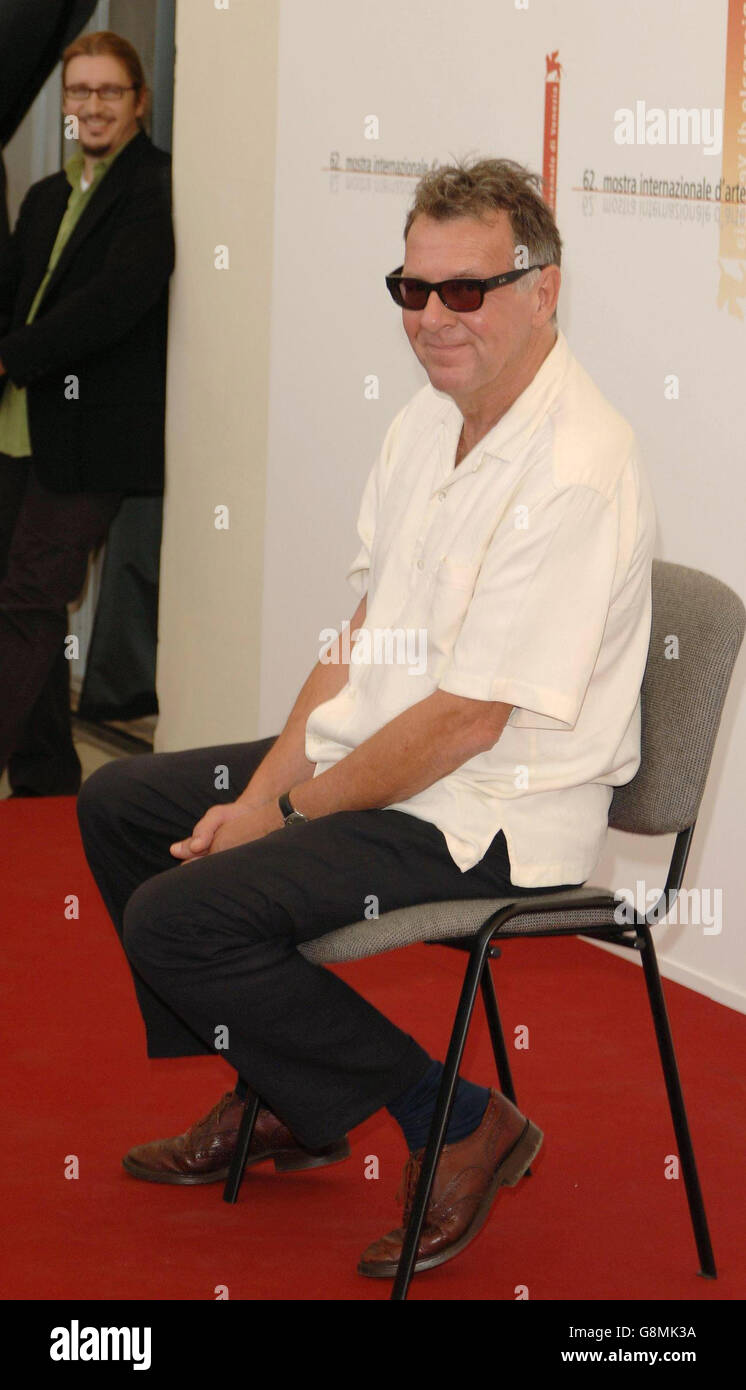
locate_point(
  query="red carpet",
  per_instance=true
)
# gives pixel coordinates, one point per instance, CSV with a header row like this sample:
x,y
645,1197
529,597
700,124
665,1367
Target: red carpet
x,y
597,1220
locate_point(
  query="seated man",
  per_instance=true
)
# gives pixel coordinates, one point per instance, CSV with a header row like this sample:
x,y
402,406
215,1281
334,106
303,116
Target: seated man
x,y
508,516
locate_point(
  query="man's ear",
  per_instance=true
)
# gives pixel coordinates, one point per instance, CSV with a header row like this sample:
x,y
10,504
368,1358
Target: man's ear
x,y
549,293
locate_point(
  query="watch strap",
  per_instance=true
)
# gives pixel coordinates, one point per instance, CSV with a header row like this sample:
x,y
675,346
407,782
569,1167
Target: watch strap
x,y
288,809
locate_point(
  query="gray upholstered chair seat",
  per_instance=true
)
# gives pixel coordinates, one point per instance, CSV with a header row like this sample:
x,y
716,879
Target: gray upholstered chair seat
x,y
440,921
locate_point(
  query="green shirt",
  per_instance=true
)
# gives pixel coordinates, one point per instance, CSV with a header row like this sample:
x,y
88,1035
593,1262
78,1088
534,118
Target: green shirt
x,y
14,431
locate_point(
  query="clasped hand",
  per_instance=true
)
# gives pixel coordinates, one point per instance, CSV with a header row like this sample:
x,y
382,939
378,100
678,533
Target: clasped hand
x,y
226,826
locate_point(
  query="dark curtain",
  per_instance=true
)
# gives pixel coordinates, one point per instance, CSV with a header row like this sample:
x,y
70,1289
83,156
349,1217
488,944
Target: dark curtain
x,y
119,680
33,34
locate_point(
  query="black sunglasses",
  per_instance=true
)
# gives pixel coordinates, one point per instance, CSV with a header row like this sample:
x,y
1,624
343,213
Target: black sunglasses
x,y
462,296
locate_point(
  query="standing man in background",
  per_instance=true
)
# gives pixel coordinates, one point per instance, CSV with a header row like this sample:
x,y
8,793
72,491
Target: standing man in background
x,y
83,324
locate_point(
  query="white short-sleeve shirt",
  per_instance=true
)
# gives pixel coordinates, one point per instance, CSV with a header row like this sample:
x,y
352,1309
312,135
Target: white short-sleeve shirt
x,y
526,572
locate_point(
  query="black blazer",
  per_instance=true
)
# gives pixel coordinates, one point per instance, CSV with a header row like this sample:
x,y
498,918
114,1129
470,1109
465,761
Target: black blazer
x,y
103,319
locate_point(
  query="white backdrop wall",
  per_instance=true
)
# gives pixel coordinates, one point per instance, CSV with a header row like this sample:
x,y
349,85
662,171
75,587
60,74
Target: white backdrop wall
x,y
639,302
225,103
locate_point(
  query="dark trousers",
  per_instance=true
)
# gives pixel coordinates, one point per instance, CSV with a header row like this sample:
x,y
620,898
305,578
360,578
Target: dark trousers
x,y
45,540
212,942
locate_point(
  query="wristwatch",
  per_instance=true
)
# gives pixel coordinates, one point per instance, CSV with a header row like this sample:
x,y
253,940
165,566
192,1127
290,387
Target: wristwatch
x,y
292,817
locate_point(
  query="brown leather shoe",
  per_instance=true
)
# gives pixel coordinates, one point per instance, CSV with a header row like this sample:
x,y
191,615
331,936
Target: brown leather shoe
x,y
204,1152
467,1178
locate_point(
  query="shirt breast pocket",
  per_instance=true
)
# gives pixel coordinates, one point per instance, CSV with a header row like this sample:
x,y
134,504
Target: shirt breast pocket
x,y
453,587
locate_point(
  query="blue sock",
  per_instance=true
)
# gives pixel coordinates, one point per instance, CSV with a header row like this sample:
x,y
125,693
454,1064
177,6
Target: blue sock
x,y
414,1110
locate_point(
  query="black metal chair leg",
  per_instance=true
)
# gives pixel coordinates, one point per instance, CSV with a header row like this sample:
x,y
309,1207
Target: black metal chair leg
x,y
676,1102
241,1152
443,1108
498,1039
496,1034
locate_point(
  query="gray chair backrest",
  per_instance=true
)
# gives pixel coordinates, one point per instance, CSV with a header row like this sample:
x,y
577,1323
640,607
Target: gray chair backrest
x,y
682,699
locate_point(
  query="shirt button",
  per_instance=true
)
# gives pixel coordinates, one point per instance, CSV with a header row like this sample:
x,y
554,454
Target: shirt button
x,y
420,564
441,497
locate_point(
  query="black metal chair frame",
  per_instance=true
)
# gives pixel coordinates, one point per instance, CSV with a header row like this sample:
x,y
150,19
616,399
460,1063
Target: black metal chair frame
x,y
481,947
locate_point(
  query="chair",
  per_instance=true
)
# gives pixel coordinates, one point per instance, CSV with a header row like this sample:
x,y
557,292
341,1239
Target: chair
x,y
682,701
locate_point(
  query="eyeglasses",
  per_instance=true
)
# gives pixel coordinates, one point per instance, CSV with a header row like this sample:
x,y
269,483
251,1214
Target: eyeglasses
x,y
108,92
462,296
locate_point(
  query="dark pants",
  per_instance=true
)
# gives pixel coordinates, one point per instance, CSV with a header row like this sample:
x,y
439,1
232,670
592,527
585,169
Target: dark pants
x,y
213,942
45,540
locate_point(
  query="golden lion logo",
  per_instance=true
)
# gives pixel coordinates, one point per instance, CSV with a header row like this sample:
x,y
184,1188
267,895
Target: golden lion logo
x,y
730,290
